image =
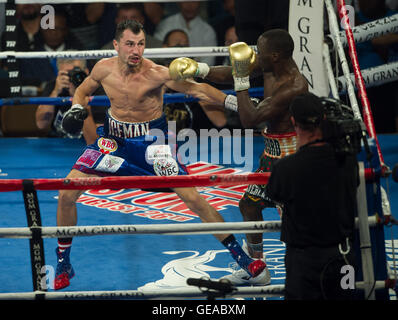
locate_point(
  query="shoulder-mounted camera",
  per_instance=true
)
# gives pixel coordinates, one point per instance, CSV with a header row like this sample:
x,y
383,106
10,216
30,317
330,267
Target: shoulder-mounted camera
x,y
340,128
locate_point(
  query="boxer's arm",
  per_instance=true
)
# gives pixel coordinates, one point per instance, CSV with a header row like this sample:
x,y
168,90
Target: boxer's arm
x,y
86,89
45,114
269,108
185,68
201,91
77,116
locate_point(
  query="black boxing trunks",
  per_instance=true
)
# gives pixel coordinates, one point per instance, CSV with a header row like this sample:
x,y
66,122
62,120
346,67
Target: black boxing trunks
x,y
276,146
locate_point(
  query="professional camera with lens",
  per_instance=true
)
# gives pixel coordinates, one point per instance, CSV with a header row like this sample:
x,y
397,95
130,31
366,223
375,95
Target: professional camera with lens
x,y
76,77
340,128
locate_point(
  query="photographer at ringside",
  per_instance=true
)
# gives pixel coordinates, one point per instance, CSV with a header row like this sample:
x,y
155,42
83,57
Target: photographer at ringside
x,y
316,189
71,74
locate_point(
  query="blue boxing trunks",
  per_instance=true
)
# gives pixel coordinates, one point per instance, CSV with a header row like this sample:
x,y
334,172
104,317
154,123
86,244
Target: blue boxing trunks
x,y
131,149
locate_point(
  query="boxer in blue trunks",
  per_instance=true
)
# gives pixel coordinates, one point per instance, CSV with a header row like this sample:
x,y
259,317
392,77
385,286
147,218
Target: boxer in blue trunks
x,y
135,87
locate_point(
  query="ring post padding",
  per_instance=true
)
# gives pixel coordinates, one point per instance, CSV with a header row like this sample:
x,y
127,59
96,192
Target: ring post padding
x,y
36,242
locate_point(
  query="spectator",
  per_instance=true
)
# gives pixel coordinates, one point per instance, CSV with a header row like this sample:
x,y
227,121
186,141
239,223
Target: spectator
x,y
84,22
224,21
2,20
154,13
200,33
254,17
57,39
28,37
192,115
392,4
50,116
133,11
230,37
375,52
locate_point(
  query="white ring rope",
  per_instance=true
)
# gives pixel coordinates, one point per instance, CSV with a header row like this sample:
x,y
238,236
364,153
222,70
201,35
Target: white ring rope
x,y
329,71
333,25
373,76
242,292
165,229
96,54
90,1
364,32
371,30
188,293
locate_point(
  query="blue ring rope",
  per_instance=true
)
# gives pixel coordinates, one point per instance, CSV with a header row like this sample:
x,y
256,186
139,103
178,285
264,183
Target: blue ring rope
x,y
104,100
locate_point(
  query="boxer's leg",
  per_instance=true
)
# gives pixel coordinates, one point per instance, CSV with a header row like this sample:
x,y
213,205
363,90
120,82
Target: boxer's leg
x,y
66,216
196,203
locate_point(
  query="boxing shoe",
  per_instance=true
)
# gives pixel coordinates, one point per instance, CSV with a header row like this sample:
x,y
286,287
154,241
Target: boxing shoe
x,y
259,274
64,271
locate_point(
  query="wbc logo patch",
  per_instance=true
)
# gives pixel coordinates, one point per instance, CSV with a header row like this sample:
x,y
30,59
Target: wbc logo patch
x,y
165,167
107,145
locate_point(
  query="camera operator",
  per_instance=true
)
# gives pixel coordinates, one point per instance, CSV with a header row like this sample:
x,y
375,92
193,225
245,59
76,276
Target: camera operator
x,y
316,189
70,74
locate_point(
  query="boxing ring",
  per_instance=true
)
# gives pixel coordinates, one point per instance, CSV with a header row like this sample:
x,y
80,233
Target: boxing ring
x,y
148,243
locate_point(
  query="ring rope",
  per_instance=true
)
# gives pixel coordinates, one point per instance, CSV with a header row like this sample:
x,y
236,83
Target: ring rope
x,y
238,292
140,182
146,182
367,113
364,32
104,100
243,292
334,29
374,76
329,71
370,30
97,54
89,1
164,229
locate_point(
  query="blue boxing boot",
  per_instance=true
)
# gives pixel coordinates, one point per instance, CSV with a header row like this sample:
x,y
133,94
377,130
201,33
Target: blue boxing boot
x,y
64,270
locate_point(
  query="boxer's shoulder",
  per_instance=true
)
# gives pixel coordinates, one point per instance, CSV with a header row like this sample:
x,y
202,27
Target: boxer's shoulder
x,y
103,68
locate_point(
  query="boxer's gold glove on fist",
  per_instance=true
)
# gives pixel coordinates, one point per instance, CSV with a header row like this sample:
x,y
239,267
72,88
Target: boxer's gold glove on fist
x,y
183,68
242,59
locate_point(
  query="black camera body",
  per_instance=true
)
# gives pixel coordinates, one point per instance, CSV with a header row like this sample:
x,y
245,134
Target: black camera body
x,y
76,76
340,128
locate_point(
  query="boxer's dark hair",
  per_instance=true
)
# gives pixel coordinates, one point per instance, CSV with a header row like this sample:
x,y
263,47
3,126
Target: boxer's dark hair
x,y
133,25
280,41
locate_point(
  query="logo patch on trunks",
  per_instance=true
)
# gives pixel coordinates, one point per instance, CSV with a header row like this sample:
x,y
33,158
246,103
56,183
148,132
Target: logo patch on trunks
x,y
88,158
165,167
110,163
158,151
107,145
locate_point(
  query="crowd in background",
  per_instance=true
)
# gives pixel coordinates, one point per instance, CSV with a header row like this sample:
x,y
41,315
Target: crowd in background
x,y
90,26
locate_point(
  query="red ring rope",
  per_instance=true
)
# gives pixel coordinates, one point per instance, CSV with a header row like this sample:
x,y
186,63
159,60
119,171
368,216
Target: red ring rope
x,y
367,113
147,182
140,182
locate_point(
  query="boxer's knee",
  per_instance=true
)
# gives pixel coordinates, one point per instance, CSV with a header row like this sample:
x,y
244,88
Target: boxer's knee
x,y
67,198
249,211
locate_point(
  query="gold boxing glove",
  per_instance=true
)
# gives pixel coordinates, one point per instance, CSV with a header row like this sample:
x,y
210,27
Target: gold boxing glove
x,y
243,59
184,68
